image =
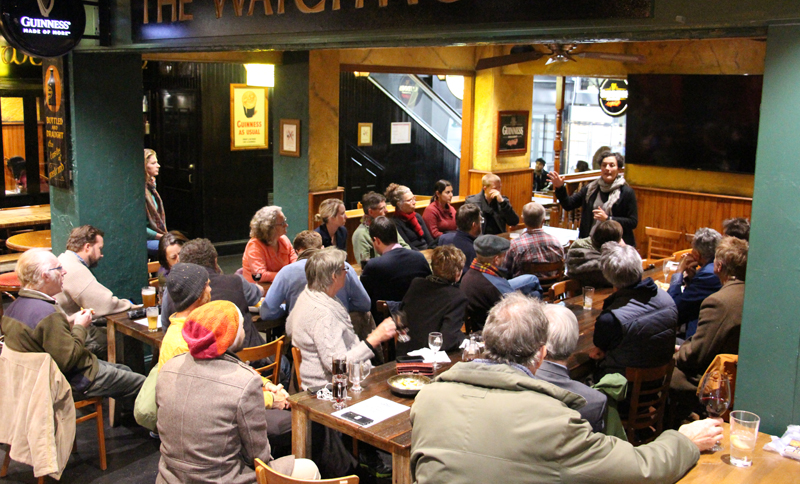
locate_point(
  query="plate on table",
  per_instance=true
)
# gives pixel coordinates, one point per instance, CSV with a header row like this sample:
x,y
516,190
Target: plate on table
x,y
407,384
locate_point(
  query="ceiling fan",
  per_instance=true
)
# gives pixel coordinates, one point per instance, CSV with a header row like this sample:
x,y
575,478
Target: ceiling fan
x,y
558,53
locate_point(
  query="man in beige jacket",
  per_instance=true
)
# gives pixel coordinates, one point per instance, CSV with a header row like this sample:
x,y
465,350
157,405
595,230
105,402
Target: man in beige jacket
x,y
81,288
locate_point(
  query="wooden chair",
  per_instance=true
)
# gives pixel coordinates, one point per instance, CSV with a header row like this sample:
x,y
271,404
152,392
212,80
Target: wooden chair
x,y
662,243
545,268
266,475
676,256
152,271
10,286
297,358
97,415
648,389
269,350
564,289
389,349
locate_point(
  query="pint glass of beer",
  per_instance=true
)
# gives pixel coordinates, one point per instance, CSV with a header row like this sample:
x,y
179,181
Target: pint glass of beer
x,y
149,296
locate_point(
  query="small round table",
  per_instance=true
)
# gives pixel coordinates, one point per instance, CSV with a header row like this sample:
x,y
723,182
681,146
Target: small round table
x,y
39,239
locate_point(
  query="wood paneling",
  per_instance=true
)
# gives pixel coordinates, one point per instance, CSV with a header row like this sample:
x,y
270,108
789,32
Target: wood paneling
x,y
684,211
517,185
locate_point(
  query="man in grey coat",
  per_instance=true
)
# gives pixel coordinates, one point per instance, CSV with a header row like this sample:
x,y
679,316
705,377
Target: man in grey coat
x,y
562,338
491,420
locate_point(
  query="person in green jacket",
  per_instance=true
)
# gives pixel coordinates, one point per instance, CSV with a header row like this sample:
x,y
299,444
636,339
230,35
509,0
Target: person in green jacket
x,y
490,420
374,205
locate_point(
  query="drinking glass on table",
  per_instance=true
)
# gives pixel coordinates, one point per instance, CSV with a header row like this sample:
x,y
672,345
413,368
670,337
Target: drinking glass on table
x,y
744,432
152,318
666,269
715,394
339,365
358,373
339,391
588,295
435,341
148,296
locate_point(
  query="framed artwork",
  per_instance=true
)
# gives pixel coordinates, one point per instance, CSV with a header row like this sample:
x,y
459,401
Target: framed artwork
x,y
249,130
290,137
364,134
401,133
512,132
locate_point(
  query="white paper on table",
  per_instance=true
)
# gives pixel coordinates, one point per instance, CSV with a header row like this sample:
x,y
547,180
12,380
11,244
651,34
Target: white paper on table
x,y
429,357
376,408
143,322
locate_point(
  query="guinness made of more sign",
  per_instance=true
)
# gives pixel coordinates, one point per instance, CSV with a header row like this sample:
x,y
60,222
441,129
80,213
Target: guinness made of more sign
x,y
613,97
43,28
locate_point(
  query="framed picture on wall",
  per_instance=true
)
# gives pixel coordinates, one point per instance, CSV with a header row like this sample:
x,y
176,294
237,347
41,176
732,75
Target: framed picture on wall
x,y
364,134
249,129
512,132
290,137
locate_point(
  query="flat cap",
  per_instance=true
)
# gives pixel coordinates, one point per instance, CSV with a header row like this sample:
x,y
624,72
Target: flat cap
x,y
490,245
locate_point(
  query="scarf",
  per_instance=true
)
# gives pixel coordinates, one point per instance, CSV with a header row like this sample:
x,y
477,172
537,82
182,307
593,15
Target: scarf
x,y
485,268
613,188
411,218
155,214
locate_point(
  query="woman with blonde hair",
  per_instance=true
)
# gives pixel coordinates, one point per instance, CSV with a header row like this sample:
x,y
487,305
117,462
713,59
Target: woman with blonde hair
x,y
156,219
408,222
333,217
269,249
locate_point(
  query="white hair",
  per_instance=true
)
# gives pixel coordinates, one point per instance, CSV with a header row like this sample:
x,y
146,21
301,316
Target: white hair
x,y
321,267
515,330
32,267
622,265
562,332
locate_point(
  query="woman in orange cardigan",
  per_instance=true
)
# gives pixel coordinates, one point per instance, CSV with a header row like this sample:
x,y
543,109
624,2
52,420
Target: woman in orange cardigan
x,y
269,249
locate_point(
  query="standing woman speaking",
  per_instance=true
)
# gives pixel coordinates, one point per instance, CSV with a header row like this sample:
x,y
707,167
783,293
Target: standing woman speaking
x,y
156,220
607,198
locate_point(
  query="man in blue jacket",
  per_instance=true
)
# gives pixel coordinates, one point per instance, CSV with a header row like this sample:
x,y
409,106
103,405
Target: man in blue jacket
x,y
695,279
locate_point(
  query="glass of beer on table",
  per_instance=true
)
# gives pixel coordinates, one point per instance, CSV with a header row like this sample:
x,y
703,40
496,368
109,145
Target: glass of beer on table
x,y
149,296
152,318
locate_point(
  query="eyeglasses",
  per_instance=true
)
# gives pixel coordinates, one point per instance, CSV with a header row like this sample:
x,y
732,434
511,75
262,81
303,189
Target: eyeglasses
x,y
285,223
59,269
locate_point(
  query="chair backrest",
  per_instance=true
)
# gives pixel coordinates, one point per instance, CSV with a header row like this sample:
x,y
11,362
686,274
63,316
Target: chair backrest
x,y
676,256
648,389
266,475
556,269
297,358
564,289
662,243
269,350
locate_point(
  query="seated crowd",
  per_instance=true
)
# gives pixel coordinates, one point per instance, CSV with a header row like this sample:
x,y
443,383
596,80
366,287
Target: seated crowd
x,y
215,414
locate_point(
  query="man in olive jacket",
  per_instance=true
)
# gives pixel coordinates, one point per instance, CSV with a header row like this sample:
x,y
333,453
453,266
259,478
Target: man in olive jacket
x,y
489,420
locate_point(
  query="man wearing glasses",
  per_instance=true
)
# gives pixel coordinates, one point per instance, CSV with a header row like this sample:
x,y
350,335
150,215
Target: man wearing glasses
x,y
34,323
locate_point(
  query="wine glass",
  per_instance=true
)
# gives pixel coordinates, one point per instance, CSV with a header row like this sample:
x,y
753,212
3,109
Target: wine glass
x,y
435,344
715,394
665,268
399,318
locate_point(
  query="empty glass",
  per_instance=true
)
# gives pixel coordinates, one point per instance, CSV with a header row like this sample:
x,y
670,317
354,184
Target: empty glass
x,y
358,373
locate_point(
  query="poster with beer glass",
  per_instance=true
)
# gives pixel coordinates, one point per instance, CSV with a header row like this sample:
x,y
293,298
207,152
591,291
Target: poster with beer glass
x,y
249,117
512,132
56,129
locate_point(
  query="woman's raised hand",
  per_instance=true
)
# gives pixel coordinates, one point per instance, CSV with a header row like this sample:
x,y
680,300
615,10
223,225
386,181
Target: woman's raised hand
x,y
555,179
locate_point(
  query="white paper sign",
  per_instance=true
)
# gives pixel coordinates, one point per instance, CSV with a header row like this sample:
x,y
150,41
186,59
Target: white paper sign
x,y
401,133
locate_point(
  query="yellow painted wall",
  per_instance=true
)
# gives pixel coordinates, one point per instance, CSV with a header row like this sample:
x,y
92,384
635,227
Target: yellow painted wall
x,y
690,180
323,111
495,92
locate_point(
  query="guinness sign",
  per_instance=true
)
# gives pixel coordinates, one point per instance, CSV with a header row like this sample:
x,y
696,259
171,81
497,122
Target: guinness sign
x,y
43,28
613,97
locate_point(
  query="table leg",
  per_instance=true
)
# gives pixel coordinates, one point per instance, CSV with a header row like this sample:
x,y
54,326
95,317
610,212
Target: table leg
x,y
111,334
401,467
301,433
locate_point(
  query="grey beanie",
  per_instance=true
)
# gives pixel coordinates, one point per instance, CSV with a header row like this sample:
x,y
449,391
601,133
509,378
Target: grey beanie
x,y
488,245
186,283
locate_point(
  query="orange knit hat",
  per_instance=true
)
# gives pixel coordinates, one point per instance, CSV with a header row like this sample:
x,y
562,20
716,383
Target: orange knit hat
x,y
211,329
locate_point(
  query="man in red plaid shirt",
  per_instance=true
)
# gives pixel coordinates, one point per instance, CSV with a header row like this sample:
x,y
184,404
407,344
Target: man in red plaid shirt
x,y
534,245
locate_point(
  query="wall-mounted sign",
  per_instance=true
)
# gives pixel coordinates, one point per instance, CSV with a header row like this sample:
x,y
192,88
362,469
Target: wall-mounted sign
x,y
56,123
248,117
401,134
613,97
512,132
175,21
43,28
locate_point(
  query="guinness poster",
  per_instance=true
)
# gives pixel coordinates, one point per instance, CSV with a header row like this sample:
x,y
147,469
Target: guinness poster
x,y
512,132
56,136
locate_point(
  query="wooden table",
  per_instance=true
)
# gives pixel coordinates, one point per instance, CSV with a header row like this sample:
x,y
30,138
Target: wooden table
x,y
120,323
767,467
392,435
30,240
30,216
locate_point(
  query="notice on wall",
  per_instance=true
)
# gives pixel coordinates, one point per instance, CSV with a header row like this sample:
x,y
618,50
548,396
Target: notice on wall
x,y
248,117
400,134
56,134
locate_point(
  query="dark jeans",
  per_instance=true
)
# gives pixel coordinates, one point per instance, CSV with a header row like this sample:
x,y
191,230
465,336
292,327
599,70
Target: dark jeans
x,y
115,381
